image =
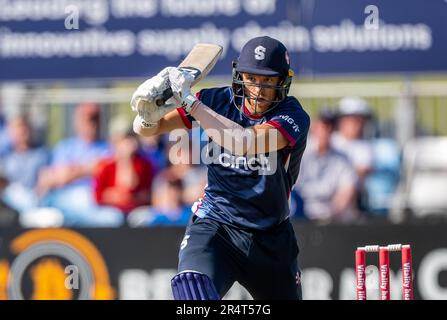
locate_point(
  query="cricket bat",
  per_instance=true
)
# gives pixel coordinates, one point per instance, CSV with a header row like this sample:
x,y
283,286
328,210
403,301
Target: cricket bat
x,y
199,62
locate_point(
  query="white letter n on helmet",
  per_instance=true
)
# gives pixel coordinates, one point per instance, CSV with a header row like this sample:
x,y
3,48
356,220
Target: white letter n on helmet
x,y
259,53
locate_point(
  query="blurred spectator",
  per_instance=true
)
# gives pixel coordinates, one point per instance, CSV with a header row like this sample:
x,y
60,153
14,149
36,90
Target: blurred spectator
x,y
353,115
193,176
152,148
182,182
167,206
327,179
8,216
124,180
382,183
194,182
179,153
5,139
22,165
67,183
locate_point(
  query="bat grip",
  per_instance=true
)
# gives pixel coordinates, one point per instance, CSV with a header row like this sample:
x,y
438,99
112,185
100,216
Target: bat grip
x,y
167,94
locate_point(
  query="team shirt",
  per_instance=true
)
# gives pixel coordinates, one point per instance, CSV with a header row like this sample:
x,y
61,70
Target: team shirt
x,y
251,191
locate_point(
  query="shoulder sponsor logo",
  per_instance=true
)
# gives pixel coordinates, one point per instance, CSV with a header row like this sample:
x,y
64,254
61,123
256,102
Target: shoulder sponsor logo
x,y
291,121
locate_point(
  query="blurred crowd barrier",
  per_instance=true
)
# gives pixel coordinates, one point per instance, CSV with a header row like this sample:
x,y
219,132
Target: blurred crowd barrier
x,y
68,156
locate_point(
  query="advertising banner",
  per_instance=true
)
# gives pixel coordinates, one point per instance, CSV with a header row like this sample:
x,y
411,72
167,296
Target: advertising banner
x,y
80,39
139,263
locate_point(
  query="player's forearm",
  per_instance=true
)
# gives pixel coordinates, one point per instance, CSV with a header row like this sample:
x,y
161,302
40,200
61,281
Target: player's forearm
x,y
238,140
226,133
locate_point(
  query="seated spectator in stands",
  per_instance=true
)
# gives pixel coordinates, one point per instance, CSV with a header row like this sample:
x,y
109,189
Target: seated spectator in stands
x,y
5,139
187,169
167,206
21,166
327,179
353,115
8,216
67,183
152,148
179,156
194,183
124,180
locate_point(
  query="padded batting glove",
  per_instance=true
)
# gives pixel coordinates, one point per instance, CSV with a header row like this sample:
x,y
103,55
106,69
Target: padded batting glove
x,y
143,99
180,81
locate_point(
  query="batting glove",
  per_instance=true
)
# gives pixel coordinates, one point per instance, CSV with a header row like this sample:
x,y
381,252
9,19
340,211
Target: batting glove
x,y
180,81
143,99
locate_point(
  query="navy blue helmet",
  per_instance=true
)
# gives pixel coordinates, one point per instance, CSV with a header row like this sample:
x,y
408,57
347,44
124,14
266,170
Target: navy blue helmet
x,y
263,56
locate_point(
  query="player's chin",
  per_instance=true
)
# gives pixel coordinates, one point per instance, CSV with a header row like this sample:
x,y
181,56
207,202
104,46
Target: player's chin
x,y
262,105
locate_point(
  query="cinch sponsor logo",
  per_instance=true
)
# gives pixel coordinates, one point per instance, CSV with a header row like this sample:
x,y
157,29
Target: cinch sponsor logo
x,y
260,162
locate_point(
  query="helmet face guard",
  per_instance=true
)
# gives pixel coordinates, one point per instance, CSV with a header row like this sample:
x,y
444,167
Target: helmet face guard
x,y
239,90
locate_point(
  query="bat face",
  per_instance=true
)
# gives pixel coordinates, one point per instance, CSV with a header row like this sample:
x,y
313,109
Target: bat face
x,y
202,57
199,62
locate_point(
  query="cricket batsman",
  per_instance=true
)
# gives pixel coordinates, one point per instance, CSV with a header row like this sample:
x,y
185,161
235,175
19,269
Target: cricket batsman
x,y
240,230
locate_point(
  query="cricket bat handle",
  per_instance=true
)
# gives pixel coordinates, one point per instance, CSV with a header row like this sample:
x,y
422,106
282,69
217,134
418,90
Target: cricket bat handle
x,y
166,95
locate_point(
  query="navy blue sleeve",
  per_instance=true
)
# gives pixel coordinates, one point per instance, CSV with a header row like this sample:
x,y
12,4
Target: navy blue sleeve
x,y
292,121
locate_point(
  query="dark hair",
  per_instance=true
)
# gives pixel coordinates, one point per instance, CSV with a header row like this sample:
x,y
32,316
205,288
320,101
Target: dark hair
x,y
327,115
